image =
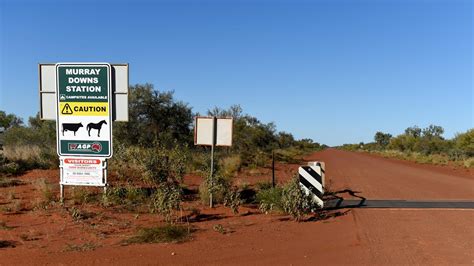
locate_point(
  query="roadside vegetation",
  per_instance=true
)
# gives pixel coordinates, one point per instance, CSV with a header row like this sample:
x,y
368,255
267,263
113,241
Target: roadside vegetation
x,y
425,145
153,152
169,233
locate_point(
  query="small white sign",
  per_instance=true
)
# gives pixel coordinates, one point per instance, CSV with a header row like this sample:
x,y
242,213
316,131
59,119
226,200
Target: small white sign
x,y
82,171
203,131
210,131
224,132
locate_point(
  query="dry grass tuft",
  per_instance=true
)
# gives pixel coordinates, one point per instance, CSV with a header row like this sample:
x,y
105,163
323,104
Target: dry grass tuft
x,y
4,226
469,163
161,234
82,247
22,153
46,190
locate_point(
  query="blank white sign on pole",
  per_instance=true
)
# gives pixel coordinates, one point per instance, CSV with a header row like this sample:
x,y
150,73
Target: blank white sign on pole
x,y
204,127
203,131
224,132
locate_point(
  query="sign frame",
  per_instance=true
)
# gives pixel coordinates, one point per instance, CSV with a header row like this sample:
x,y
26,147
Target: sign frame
x,y
109,104
120,89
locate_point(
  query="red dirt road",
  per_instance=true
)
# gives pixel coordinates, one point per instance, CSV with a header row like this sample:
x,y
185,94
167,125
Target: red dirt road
x,y
361,236
379,178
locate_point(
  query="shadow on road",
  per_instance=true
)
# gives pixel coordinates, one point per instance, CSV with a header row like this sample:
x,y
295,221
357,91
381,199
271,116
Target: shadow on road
x,y
335,201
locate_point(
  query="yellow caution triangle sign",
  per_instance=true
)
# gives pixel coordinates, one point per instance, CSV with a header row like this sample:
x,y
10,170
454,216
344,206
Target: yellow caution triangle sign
x,y
67,110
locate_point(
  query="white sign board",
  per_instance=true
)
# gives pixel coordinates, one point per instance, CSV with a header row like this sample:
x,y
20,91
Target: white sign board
x,y
224,132
47,91
203,131
82,171
210,131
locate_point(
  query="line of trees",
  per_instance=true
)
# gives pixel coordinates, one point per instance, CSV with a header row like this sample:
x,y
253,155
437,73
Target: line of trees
x,y
156,118
428,141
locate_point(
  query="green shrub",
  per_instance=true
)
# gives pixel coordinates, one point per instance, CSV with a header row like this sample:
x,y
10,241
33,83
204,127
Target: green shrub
x,y
232,199
9,168
289,199
125,163
81,195
166,199
439,159
218,186
260,159
295,202
199,160
229,166
469,163
152,165
465,142
456,154
128,196
264,185
270,199
223,192
289,155
161,234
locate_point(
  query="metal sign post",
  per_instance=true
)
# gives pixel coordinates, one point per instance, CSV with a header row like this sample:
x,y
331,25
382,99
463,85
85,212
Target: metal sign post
x,y
273,168
212,131
214,122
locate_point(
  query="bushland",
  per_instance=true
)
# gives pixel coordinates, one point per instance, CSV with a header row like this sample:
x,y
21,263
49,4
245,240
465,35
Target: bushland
x,y
422,145
154,150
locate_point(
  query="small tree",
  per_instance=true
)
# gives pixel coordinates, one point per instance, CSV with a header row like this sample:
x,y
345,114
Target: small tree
x,y
413,131
285,140
433,131
154,117
382,139
10,120
465,142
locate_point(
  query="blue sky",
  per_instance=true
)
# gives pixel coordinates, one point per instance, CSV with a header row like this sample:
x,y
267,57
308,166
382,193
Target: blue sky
x,y
334,71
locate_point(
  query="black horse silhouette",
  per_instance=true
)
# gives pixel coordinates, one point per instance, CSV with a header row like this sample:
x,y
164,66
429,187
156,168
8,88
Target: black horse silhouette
x,y
97,126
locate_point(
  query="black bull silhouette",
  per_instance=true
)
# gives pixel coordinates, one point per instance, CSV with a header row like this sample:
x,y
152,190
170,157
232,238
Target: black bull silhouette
x,y
71,127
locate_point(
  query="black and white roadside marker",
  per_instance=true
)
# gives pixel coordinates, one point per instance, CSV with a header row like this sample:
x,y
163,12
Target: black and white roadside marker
x,y
311,180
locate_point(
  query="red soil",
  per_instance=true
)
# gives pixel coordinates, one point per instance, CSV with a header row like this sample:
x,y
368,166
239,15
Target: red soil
x,y
356,236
